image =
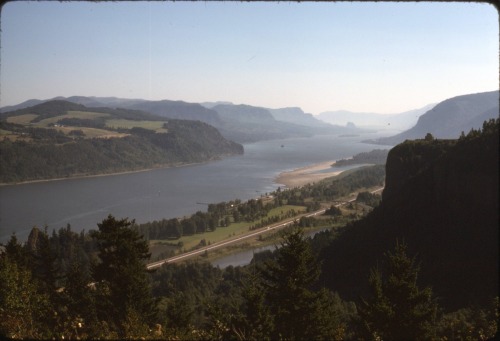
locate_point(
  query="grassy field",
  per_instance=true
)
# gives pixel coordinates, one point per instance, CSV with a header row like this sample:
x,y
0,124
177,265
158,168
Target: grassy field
x,y
234,229
128,124
71,114
89,132
349,214
93,132
22,119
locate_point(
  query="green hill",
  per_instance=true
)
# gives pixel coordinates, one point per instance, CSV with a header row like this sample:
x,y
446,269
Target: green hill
x,y
61,139
441,198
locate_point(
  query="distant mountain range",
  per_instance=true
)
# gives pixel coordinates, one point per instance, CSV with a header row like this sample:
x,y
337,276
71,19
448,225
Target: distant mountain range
x,y
448,119
400,121
245,123
240,123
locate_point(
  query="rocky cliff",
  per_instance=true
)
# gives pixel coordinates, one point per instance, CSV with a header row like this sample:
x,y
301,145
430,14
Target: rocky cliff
x,y
441,198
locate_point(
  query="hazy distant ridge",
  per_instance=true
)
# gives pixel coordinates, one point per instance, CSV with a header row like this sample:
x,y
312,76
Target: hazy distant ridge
x,y
451,117
297,116
402,120
241,123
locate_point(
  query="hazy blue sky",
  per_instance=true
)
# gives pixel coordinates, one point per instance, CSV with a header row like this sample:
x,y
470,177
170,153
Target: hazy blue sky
x,y
372,57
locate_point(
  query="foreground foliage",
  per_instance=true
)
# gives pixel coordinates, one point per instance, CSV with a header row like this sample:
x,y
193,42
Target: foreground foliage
x,y
276,297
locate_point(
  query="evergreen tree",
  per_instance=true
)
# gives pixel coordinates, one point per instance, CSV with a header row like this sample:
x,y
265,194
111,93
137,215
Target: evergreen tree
x,y
16,252
398,309
299,312
47,276
123,291
256,322
79,299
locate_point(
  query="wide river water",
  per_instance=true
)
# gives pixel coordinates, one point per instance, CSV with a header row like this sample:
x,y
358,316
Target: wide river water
x,y
167,192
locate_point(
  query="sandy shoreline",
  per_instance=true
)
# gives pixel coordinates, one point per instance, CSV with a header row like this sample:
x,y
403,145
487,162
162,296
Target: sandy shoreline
x,y
295,178
303,176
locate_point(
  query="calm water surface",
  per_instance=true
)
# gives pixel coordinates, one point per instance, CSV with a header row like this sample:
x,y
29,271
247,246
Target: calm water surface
x,y
165,193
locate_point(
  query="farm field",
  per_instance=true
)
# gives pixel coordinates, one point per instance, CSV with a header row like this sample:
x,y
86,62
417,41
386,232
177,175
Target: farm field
x,y
22,119
71,114
92,132
89,132
129,124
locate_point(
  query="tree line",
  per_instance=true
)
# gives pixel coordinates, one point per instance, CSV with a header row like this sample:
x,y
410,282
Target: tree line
x,y
106,292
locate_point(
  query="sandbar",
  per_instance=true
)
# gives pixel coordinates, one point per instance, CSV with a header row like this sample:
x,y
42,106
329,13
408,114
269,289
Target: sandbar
x,y
306,175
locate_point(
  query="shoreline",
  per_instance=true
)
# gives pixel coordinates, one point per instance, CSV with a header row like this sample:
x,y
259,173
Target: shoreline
x,y
75,177
306,175
294,178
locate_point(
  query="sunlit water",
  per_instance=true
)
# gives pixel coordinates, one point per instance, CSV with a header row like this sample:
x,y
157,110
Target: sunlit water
x,y
168,192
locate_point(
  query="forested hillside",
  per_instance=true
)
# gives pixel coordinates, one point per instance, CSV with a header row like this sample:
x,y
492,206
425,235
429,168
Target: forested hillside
x,y
62,139
441,199
376,157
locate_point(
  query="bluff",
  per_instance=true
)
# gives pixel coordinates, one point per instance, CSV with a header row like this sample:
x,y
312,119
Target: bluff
x,y
441,198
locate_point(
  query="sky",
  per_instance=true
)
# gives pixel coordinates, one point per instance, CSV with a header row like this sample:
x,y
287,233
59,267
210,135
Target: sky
x,y
382,57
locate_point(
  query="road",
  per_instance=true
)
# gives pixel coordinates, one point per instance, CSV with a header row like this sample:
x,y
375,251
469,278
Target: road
x,y
246,236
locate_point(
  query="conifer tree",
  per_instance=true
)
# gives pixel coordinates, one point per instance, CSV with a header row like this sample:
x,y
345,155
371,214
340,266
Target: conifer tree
x,y
398,308
256,322
299,311
123,290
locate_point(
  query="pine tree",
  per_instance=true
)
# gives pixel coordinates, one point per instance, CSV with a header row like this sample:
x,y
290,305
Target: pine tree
x,y
123,290
299,312
398,308
79,299
256,322
16,252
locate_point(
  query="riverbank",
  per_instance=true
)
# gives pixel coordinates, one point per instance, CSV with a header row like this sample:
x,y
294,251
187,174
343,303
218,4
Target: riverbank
x,y
305,175
85,176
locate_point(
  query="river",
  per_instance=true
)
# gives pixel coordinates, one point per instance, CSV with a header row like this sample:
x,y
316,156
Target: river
x,y
245,257
167,192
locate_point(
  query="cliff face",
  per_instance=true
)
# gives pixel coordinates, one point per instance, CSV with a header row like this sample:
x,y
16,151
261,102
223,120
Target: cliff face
x,y
441,198
410,159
